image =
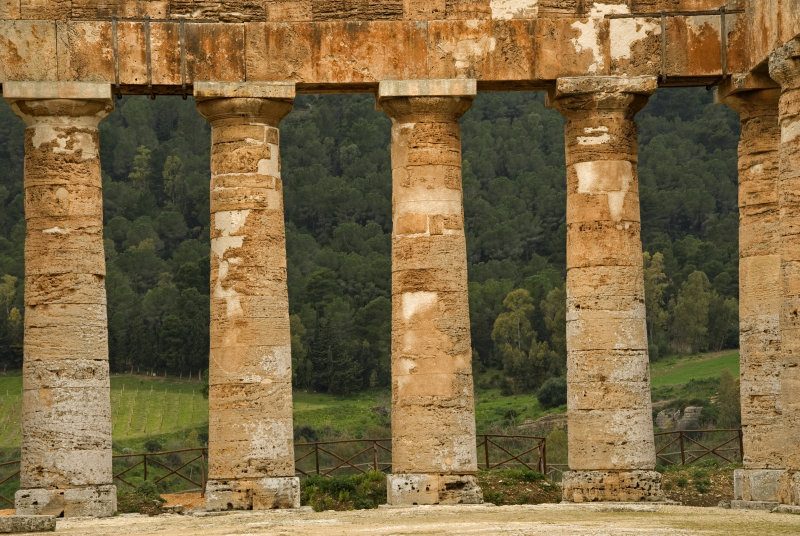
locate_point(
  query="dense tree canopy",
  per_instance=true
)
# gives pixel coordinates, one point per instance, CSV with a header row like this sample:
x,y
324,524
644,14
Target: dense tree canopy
x,y
337,189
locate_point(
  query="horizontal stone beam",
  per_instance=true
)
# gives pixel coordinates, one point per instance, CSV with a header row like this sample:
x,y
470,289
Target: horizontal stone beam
x,y
57,90
257,90
427,88
323,10
138,56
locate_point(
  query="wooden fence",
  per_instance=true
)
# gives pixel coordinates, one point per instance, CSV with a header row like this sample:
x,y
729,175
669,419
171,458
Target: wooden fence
x,y
513,451
356,456
684,447
187,467
162,466
13,467
349,456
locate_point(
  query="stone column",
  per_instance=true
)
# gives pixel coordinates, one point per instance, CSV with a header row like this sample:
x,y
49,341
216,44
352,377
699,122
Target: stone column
x,y
759,295
610,423
433,415
66,403
250,436
784,68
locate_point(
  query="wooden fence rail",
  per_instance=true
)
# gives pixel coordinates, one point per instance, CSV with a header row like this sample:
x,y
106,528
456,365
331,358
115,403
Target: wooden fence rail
x,y
9,465
694,445
357,456
492,443
345,457
165,468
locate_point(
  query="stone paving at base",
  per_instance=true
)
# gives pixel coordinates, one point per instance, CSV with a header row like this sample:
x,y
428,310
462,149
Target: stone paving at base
x,y
546,519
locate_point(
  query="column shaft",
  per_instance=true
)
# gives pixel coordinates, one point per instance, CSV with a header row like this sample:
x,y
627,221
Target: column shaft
x,y
66,405
433,417
759,297
610,433
251,449
784,67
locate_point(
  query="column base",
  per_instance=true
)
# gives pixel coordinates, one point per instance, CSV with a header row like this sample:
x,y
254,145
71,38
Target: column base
x,y
89,501
16,523
789,488
409,489
613,486
757,486
253,494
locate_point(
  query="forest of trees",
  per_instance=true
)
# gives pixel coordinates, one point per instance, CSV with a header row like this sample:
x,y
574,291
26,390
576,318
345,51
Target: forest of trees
x,y
337,193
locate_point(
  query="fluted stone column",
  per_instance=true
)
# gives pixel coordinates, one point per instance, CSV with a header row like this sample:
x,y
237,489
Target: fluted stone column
x,y
433,417
610,424
784,68
250,447
759,296
66,404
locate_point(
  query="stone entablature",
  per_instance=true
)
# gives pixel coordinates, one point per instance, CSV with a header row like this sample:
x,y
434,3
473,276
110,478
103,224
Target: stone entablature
x,y
504,44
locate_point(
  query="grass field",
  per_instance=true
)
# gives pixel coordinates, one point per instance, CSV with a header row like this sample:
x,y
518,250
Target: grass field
x,y
679,370
168,409
143,407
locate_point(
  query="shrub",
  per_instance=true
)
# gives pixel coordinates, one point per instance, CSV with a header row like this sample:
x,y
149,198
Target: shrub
x,y
153,445
553,392
143,499
344,492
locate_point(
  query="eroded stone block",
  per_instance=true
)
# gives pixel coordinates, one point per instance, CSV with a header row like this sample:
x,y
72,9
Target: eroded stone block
x,y
622,486
253,494
27,523
420,489
757,485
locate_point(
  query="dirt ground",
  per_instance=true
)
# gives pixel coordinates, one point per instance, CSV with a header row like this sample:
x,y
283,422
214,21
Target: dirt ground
x,y
521,520
189,501
698,486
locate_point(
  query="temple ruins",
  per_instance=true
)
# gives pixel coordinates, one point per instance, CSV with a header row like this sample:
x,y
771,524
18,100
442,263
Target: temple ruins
x,y
62,63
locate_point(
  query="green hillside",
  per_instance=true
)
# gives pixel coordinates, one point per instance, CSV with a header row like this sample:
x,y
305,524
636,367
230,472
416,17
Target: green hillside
x,y
676,371
168,409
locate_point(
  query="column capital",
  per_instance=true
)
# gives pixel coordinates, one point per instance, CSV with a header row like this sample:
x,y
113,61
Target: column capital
x,y
268,101
579,96
34,102
744,83
784,64
403,100
751,103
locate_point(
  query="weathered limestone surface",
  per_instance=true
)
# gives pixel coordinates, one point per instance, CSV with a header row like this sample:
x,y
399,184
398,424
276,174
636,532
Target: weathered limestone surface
x,y
784,67
610,430
325,10
760,296
506,44
66,406
770,24
251,449
21,523
433,416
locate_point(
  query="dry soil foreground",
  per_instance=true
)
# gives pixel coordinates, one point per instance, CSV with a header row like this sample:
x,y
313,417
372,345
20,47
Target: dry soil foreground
x,y
546,519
